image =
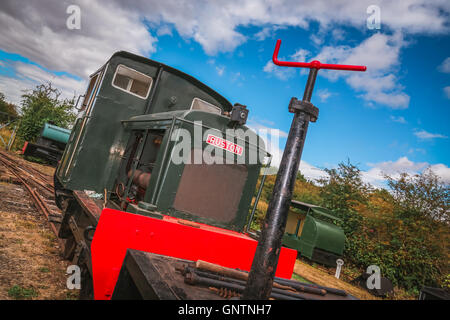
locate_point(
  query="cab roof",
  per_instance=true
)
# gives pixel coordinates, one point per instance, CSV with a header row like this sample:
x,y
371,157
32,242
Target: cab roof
x,y
128,55
316,209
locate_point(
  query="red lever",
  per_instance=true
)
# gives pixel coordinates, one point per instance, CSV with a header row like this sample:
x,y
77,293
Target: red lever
x,y
313,64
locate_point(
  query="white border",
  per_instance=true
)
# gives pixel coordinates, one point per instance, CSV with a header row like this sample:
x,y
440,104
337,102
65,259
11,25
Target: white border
x,y
129,92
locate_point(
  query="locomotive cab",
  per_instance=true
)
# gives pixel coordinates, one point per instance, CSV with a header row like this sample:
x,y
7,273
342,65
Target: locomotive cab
x,y
192,165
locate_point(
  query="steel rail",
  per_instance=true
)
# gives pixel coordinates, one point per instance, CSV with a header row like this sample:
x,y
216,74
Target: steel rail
x,y
35,196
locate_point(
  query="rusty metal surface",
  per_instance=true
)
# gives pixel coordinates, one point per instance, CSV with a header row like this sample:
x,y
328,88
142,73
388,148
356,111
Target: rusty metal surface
x,y
228,280
90,206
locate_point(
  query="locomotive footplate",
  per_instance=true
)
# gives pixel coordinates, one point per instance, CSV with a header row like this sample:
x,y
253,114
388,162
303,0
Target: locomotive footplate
x,y
151,276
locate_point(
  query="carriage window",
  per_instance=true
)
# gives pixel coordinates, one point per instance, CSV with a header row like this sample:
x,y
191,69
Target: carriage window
x,y
132,81
199,104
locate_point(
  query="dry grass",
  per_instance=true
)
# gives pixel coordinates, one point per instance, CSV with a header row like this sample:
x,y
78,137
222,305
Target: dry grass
x,y
5,134
324,279
44,169
30,264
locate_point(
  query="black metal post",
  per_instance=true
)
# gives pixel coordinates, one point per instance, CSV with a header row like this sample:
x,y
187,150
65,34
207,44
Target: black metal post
x,y
261,275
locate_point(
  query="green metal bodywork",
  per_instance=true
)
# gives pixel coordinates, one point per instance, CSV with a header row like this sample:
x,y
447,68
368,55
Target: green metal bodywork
x,y
316,232
55,133
166,177
98,136
96,149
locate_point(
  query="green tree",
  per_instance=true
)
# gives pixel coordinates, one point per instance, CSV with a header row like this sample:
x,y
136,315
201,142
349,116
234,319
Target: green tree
x,y
7,110
422,196
348,196
343,192
421,236
43,104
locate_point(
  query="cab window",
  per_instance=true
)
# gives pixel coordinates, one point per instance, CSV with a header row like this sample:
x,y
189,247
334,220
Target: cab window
x,y
132,81
199,104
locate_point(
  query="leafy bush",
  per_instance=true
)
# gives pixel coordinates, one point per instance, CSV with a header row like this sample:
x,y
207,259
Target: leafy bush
x,y
403,230
43,104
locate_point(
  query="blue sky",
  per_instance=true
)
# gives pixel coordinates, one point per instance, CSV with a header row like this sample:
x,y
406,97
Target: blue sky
x,y
392,118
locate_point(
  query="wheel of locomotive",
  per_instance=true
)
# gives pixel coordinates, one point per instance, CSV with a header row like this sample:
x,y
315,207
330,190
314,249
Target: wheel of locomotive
x,y
87,285
69,248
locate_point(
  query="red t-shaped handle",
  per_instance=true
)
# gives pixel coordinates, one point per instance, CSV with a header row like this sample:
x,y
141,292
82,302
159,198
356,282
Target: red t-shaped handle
x,y
313,64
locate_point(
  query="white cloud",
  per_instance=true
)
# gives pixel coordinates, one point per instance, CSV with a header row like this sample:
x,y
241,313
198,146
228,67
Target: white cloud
x,y
300,55
263,34
311,172
417,150
13,88
37,30
447,92
380,53
272,138
338,34
274,145
403,164
267,32
260,126
442,171
398,119
316,39
220,70
281,73
445,66
29,75
164,30
214,24
237,76
324,94
424,135
375,175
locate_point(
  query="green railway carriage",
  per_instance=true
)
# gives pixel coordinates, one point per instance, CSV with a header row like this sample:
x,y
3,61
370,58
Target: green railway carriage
x,y
312,231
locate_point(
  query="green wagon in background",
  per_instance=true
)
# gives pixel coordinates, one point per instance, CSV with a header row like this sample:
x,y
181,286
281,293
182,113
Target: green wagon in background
x,y
312,231
49,145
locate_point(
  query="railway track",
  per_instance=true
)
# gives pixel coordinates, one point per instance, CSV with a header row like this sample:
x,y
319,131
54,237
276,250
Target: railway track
x,y
39,186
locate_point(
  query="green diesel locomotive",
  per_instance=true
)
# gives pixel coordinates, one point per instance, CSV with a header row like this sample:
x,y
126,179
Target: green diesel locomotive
x,y
129,153
158,175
